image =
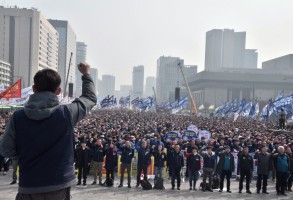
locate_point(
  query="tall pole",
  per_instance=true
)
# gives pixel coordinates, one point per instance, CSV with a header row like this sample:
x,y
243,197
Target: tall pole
x,y
193,105
67,77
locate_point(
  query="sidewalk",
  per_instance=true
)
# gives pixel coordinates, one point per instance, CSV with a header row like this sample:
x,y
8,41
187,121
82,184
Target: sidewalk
x,y
8,192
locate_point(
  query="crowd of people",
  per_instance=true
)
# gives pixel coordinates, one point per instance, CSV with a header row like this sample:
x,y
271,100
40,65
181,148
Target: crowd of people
x,y
42,131
102,133
107,133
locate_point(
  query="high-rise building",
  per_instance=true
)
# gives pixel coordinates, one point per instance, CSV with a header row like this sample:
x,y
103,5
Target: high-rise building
x,y
250,61
28,42
107,86
125,90
137,81
80,57
224,49
150,83
66,47
94,75
169,76
5,74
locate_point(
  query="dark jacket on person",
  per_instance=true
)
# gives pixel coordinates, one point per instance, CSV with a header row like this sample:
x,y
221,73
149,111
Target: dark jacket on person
x,y
41,136
291,163
263,162
169,156
99,153
245,162
280,166
193,162
144,157
160,158
83,157
209,161
127,154
177,160
111,159
221,162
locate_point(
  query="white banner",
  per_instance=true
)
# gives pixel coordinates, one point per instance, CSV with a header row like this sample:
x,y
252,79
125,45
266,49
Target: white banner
x,y
192,127
25,94
204,133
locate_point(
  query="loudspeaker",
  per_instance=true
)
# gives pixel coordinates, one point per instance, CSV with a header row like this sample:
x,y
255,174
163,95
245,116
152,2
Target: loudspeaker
x,y
70,92
177,93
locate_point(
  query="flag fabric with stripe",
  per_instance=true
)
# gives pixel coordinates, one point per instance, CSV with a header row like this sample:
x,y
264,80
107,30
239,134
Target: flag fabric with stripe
x,y
14,91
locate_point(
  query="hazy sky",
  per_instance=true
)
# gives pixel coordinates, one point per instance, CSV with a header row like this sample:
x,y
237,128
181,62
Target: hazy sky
x,y
121,34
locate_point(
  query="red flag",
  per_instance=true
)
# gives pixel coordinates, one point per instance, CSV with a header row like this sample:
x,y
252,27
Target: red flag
x,y
14,91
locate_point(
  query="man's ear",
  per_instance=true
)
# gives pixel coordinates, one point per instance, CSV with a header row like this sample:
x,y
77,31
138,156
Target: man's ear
x,y
34,89
58,91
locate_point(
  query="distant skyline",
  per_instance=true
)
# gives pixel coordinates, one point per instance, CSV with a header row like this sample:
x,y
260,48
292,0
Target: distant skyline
x,y
123,34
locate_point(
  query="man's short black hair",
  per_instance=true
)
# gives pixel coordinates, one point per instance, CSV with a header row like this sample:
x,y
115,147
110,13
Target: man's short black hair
x,y
47,80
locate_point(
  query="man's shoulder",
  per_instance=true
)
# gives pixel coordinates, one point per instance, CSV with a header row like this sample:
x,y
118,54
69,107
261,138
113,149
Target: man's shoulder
x,y
17,113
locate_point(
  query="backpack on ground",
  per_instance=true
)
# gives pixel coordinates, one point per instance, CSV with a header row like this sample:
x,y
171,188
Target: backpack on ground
x,y
146,185
108,182
159,183
216,182
204,186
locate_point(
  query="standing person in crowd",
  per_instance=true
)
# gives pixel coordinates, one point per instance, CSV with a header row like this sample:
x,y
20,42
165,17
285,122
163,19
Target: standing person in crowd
x,y
14,166
245,166
43,121
170,152
126,159
290,154
264,166
98,159
193,166
225,168
111,160
209,166
157,142
83,161
160,159
282,167
282,119
144,160
4,164
177,162
188,150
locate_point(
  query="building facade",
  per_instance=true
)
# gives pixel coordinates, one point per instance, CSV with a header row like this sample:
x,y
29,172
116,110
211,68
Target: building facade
x,y
107,86
5,74
283,64
251,57
213,88
28,42
81,51
125,90
137,81
66,47
224,49
150,83
94,75
169,77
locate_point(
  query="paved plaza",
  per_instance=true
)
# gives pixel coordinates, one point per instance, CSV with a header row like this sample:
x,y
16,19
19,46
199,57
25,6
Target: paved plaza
x,y
8,192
